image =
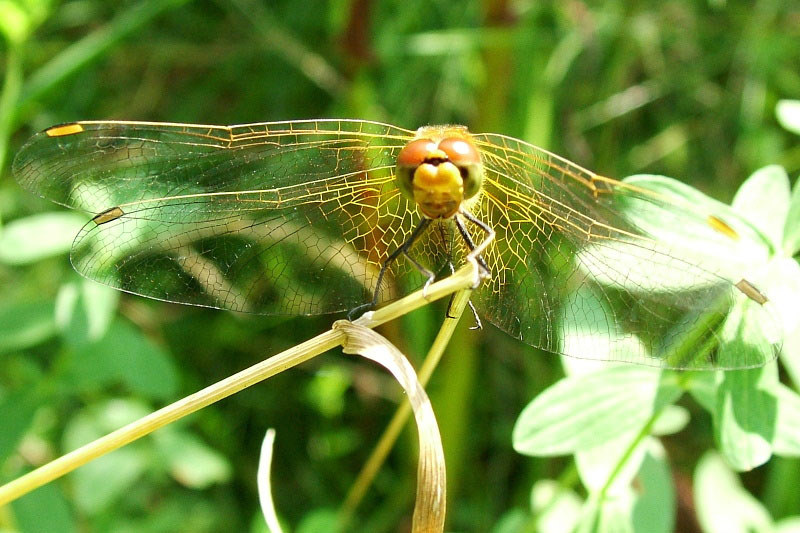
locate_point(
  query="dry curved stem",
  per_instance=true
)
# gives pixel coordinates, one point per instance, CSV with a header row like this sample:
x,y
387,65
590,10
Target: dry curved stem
x,y
429,510
264,485
462,279
385,444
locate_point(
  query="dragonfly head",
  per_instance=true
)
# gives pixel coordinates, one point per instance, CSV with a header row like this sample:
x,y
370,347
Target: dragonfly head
x,y
439,170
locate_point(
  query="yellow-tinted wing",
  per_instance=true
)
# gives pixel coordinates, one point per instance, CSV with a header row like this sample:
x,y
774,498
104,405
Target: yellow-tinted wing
x,y
574,273
287,217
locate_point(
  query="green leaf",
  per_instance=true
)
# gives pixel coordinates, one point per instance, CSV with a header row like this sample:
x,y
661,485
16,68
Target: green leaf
x,y
788,114
787,430
788,525
115,472
784,277
654,508
127,356
693,232
326,392
703,388
36,237
745,416
598,463
587,410
791,228
26,324
84,311
44,509
671,420
723,506
764,199
612,515
688,224
17,410
190,461
319,521
556,508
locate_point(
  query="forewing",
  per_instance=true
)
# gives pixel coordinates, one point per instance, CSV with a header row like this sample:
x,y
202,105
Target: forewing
x,y
290,217
572,274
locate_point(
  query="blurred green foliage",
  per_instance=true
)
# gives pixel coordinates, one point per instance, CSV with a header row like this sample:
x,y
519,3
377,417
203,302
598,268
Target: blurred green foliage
x,y
679,88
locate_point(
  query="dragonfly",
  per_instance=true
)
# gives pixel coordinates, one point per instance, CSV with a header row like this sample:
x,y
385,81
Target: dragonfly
x,y
322,216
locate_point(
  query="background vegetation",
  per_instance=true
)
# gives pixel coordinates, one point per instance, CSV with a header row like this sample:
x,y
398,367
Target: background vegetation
x,y
680,88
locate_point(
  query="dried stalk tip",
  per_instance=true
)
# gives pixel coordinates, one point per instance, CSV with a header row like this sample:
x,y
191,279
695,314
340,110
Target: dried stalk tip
x,y
429,511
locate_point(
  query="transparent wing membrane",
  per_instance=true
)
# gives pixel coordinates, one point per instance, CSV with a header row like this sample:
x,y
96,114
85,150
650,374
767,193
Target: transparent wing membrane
x,y
298,218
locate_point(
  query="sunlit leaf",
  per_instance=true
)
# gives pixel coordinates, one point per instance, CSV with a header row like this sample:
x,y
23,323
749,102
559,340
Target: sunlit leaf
x,y
26,324
190,461
788,114
764,199
17,410
556,508
587,410
787,427
745,416
723,506
115,472
45,509
36,237
654,509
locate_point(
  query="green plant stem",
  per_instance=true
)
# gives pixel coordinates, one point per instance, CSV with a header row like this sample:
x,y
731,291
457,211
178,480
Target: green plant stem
x,y
12,86
464,278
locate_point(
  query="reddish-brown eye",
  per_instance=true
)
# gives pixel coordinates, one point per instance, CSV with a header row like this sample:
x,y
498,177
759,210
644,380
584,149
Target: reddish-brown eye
x,y
415,152
460,151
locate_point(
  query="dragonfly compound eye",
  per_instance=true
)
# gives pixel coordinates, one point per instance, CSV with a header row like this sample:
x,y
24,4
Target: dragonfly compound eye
x,y
462,153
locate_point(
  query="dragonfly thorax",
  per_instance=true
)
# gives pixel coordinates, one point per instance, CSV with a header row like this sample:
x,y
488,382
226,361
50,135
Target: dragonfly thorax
x,y
439,170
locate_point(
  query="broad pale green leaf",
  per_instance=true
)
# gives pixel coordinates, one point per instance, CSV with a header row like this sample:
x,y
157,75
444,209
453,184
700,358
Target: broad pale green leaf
x,y
580,336
745,416
124,355
791,229
587,410
697,234
788,525
671,420
784,276
764,199
190,461
36,237
26,324
43,510
598,463
84,311
115,472
612,515
17,410
703,388
654,508
714,237
787,430
788,114
723,506
557,508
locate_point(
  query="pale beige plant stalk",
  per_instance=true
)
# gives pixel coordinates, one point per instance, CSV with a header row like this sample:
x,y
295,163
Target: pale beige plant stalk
x,y
465,278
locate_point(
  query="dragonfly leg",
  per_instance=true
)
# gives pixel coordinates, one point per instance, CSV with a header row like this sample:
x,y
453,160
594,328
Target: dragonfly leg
x,y
474,255
478,324
402,250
